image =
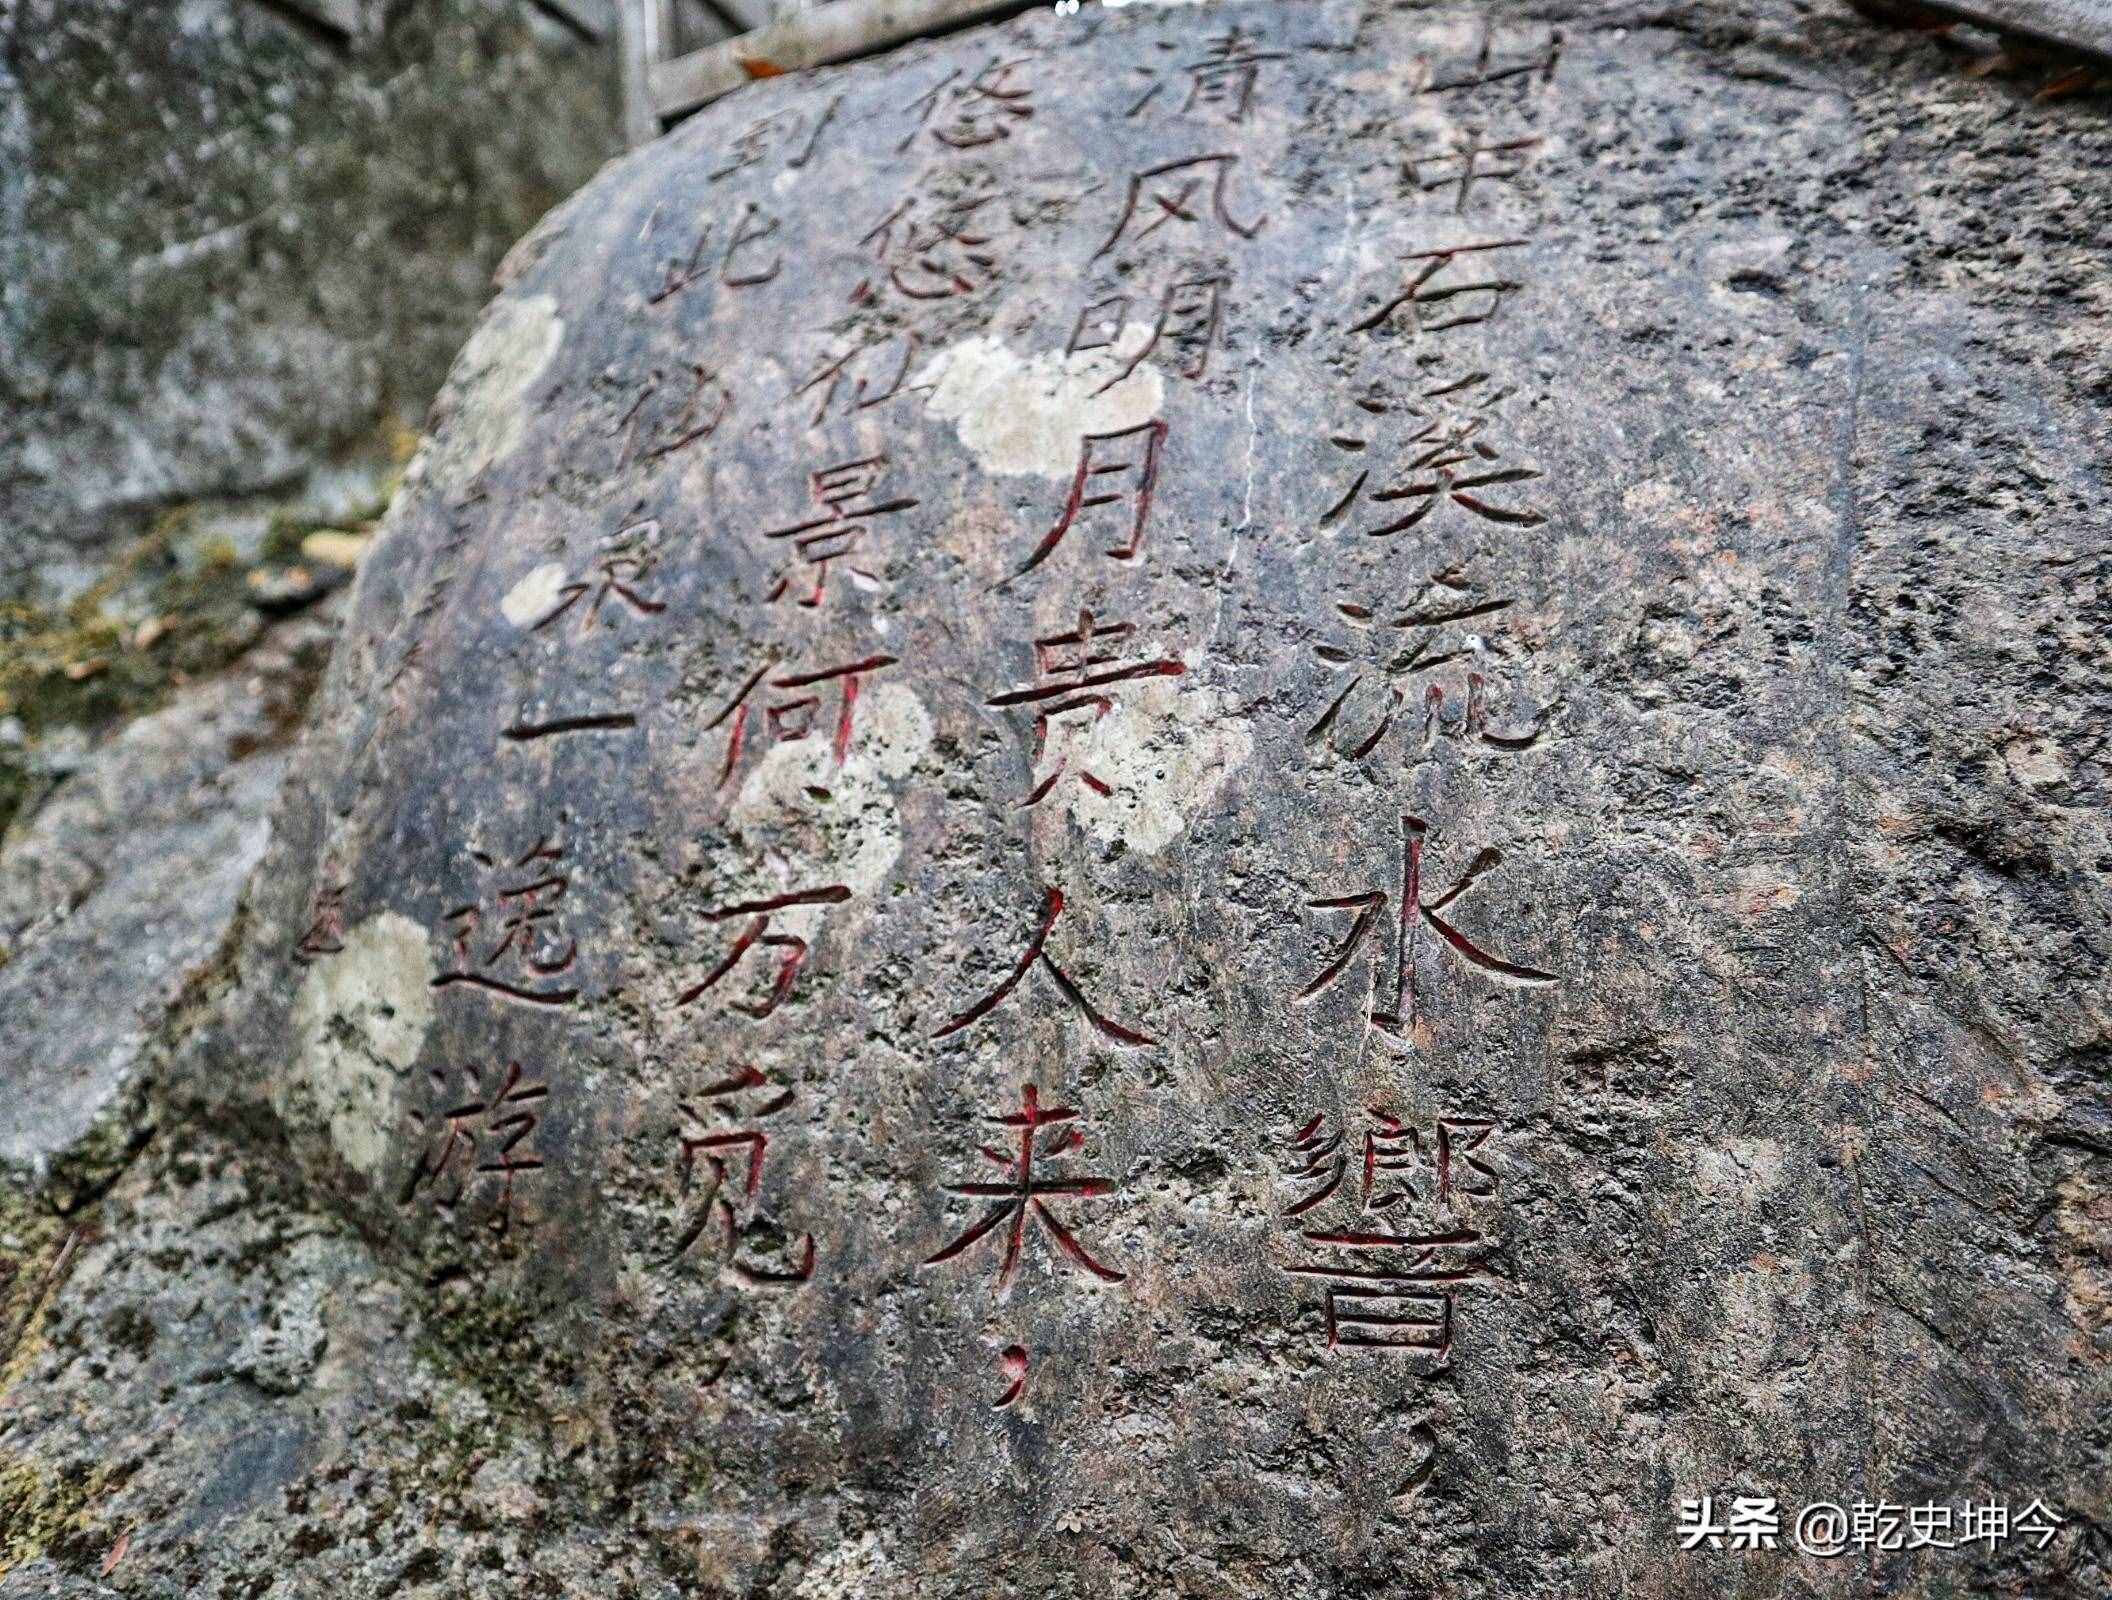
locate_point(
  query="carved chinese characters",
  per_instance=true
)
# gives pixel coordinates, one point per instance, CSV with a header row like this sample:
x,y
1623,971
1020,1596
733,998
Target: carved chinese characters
x,y
1114,469
1024,1201
1036,955
1386,1287
480,1139
964,110
730,587
1192,193
787,951
511,941
1218,86
1158,833
793,705
1423,491
1416,914
725,1131
1430,669
623,566
847,505
1078,675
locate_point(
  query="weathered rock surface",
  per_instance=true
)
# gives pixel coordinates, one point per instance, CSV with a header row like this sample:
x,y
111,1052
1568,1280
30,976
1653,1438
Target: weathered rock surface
x,y
116,895
235,251
1527,599
233,246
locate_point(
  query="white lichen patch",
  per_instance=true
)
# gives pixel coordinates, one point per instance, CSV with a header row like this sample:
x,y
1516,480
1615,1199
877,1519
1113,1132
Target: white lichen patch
x,y
1744,1171
838,819
535,596
849,1568
488,389
893,730
280,1354
2035,761
1164,751
359,1021
1025,414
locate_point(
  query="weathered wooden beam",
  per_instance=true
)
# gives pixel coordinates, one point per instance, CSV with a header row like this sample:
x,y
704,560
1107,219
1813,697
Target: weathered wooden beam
x,y
339,16
594,18
2083,26
744,15
834,32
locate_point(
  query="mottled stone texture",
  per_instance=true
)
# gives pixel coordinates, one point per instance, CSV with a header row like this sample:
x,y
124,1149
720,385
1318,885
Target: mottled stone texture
x,y
119,892
1606,726
233,244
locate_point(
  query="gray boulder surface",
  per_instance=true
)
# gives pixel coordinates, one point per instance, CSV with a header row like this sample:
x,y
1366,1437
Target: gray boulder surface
x,y
238,250
237,243
120,891
237,246
1203,801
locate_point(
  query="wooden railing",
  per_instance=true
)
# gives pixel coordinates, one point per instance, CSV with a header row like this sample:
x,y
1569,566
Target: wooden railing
x,y
351,19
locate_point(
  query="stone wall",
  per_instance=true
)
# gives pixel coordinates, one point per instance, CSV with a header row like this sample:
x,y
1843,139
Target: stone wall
x,y
234,244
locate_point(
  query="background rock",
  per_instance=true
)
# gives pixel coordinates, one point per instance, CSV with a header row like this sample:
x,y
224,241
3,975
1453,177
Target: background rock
x,y
118,894
237,251
237,245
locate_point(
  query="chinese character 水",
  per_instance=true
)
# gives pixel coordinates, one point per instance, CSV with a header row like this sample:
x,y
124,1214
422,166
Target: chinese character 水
x,y
1414,910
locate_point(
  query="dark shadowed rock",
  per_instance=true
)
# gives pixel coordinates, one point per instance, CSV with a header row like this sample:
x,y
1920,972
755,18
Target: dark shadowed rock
x,y
1213,802
235,246
119,893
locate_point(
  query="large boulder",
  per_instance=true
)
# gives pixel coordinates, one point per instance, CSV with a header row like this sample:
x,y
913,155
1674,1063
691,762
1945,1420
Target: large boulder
x,y
1236,800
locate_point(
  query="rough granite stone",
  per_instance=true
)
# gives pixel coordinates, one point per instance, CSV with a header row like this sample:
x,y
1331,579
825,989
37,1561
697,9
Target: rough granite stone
x,y
1449,668
119,893
233,246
